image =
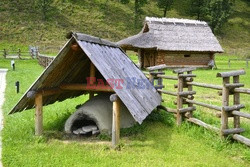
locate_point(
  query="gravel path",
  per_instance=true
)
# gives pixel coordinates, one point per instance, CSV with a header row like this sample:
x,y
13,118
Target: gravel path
x,y
2,89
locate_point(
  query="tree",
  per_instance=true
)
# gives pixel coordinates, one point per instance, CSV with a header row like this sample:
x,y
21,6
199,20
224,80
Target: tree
x,y
199,8
165,5
45,7
219,13
138,4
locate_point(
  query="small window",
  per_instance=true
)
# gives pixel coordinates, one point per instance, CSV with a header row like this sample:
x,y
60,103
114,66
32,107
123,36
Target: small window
x,y
186,55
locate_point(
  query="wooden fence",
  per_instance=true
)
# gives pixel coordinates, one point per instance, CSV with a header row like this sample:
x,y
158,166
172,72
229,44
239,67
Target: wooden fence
x,y
186,103
246,60
44,60
19,54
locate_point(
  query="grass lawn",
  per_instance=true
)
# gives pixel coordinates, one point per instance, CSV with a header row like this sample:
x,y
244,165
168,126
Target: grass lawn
x,y
157,142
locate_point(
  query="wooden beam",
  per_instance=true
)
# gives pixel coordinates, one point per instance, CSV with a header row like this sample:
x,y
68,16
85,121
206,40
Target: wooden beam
x,y
92,74
217,87
116,121
158,67
234,107
203,124
167,92
167,77
232,131
230,73
38,114
204,104
241,114
84,87
242,139
187,93
234,85
182,70
187,75
242,90
170,110
188,109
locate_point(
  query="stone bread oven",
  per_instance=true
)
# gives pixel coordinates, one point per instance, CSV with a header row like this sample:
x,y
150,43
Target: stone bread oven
x,y
95,116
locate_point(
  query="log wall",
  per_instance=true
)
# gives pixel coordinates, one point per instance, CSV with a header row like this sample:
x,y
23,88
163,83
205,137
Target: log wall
x,y
176,59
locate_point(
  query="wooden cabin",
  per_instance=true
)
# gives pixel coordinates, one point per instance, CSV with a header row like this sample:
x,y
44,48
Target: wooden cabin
x,y
85,56
174,42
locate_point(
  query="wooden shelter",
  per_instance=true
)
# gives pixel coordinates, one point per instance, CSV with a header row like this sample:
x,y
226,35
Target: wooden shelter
x,y
174,42
85,56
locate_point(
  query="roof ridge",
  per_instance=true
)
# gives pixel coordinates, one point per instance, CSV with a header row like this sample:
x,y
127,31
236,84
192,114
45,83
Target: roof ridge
x,y
174,20
88,38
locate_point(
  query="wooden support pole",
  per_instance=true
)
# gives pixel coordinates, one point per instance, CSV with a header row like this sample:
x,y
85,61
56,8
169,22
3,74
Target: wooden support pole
x,y
236,79
4,53
179,100
160,82
116,119
225,102
190,88
92,74
39,114
19,53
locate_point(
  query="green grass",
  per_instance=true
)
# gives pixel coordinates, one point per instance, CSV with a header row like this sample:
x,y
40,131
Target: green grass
x,y
156,142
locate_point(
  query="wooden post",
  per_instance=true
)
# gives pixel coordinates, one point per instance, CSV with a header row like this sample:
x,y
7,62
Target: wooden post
x,y
160,79
151,78
4,53
179,100
39,114
19,53
92,74
32,53
225,102
190,88
236,79
139,58
116,119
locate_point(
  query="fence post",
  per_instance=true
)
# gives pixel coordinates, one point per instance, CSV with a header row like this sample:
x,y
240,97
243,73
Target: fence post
x,y
32,53
225,102
4,53
179,100
19,53
190,88
236,96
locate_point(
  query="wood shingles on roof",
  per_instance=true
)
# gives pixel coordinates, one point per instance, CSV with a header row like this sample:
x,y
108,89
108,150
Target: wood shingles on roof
x,y
174,35
111,62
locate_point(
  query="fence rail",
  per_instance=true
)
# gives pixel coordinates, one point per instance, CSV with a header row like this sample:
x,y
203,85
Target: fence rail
x,y
19,54
185,96
246,60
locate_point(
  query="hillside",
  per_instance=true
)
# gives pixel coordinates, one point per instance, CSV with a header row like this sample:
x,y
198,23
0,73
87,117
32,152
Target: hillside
x,y
21,22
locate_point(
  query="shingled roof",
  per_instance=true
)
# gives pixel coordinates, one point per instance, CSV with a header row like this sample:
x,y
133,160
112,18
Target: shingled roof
x,y
171,34
73,67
